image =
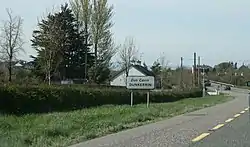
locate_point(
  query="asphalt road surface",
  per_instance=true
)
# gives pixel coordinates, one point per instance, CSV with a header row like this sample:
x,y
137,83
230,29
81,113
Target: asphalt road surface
x,y
180,130
234,134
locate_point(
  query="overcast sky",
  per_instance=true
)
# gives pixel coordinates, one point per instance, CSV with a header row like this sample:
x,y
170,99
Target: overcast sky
x,y
218,30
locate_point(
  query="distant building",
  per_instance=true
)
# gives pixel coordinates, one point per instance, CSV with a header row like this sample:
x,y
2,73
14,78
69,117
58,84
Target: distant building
x,y
119,79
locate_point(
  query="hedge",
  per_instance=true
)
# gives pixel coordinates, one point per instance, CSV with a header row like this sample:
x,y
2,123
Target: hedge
x,y
39,99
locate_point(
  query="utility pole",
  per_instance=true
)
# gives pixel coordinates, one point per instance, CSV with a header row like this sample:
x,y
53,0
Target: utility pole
x,y
203,82
199,65
181,72
194,68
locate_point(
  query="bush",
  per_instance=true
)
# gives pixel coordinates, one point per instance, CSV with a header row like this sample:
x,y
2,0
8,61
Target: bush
x,y
39,99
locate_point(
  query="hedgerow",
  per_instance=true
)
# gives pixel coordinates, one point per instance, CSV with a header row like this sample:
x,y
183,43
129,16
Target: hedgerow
x,y
39,99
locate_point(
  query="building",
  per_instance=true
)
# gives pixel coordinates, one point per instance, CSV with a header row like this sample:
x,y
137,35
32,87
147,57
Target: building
x,y
119,79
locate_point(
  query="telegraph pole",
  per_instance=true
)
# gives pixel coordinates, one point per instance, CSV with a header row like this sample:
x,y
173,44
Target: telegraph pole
x,y
199,65
203,82
181,72
195,73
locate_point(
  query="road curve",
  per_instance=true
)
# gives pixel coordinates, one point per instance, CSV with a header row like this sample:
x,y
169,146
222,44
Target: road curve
x,y
177,131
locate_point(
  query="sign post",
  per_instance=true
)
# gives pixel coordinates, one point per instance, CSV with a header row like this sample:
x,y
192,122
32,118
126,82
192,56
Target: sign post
x,y
147,99
131,98
140,83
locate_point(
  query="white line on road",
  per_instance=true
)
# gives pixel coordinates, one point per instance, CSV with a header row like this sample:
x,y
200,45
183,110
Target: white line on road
x,y
200,137
242,112
229,120
217,127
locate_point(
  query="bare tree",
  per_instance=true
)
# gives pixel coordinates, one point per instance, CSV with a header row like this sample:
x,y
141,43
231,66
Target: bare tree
x,y
11,39
128,53
163,67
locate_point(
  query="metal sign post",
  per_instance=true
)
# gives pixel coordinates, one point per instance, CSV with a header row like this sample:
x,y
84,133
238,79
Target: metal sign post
x,y
147,99
140,83
131,98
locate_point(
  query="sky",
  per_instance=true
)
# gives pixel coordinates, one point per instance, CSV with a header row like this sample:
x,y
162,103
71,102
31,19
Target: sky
x,y
216,30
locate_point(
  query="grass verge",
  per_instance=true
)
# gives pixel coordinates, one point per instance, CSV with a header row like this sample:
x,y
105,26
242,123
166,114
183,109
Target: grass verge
x,y
62,129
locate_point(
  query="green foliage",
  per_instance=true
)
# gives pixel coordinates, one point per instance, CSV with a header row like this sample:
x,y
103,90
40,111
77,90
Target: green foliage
x,y
26,75
224,66
228,72
96,15
156,68
60,46
67,128
103,43
102,73
21,100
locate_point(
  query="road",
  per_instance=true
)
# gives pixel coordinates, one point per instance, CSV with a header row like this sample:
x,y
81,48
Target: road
x,y
180,130
234,134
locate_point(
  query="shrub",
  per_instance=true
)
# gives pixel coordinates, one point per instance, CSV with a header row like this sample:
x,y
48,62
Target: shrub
x,y
38,99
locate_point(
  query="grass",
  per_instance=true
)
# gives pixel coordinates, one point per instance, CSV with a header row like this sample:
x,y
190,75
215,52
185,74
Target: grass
x,y
62,129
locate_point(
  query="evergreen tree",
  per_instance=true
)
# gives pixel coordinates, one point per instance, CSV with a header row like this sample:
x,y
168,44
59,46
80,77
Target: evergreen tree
x,y
156,68
60,46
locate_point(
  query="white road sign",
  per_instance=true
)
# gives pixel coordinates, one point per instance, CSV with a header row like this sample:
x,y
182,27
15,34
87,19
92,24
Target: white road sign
x,y
142,82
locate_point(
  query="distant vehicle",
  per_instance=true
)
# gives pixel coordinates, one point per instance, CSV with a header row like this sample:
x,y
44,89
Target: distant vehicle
x,y
227,88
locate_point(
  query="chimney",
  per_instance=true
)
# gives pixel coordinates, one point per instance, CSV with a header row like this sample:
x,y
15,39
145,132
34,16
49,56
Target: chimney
x,y
139,62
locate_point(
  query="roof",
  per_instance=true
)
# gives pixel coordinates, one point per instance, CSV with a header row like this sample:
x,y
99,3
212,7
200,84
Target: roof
x,y
140,68
143,70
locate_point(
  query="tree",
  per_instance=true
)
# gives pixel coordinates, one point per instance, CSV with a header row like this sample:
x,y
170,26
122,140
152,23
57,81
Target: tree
x,y
156,68
11,40
96,16
60,46
82,10
102,39
46,41
163,68
128,53
224,66
160,70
